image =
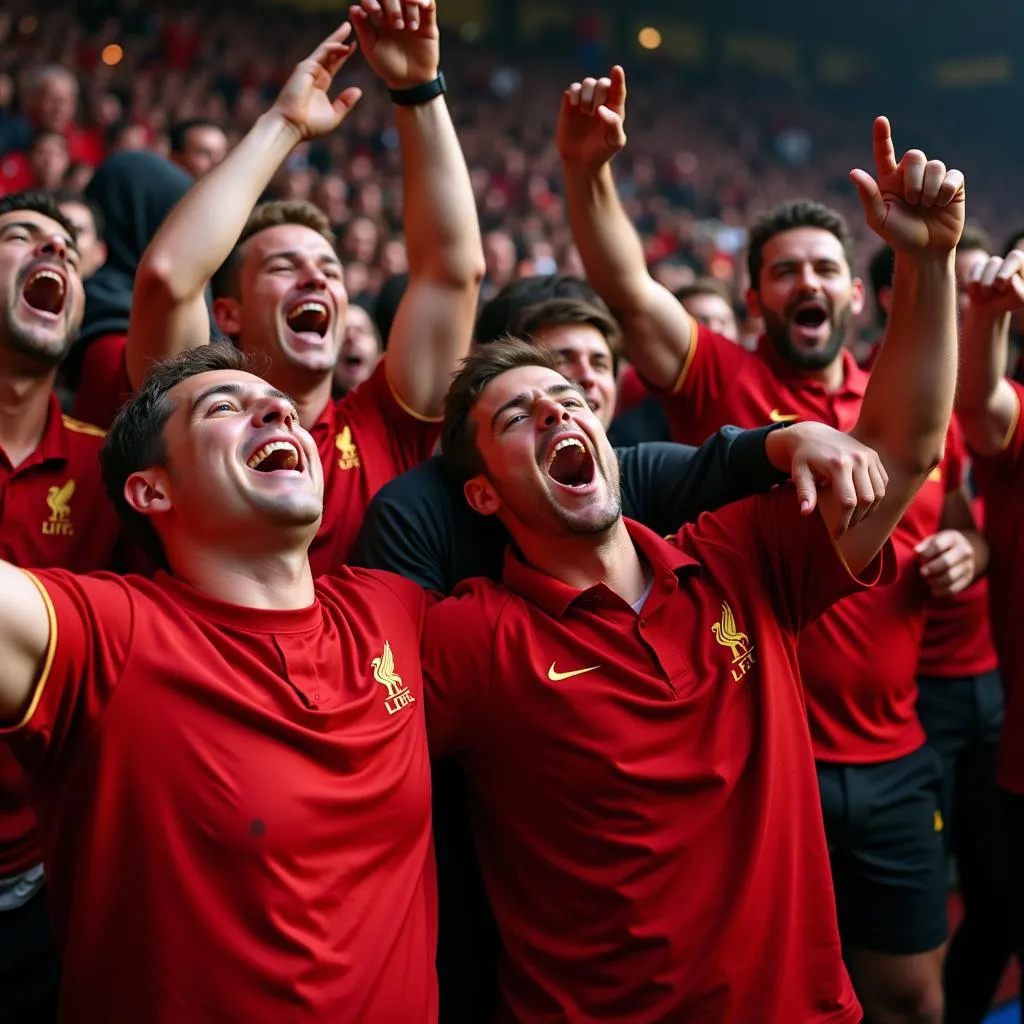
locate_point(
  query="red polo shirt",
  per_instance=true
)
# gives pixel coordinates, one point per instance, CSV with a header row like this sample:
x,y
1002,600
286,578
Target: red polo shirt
x,y
645,801
235,803
1000,480
54,512
365,439
859,662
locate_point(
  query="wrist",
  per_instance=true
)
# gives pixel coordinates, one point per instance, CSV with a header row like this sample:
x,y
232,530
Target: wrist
x,y
777,448
278,130
412,81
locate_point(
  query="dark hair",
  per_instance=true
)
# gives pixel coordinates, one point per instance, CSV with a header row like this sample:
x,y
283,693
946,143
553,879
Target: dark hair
x,y
479,368
560,312
704,286
271,214
974,239
69,195
135,440
496,316
37,202
178,134
786,216
881,271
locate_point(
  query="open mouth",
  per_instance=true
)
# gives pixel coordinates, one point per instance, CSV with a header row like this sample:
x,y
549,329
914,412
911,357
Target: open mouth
x,y
570,464
45,291
811,317
310,318
276,456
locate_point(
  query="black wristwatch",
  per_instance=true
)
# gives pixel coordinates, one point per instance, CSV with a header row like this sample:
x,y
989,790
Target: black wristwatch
x,y
422,93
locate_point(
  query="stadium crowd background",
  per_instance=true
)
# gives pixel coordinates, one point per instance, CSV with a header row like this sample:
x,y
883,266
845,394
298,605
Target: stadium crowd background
x,y
708,149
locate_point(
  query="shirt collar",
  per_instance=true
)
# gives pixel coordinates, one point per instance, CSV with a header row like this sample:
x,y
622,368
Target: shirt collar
x,y
854,378
53,445
554,597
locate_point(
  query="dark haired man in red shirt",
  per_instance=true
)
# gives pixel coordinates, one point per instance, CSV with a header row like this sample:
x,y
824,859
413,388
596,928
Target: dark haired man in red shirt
x,y
629,710
228,762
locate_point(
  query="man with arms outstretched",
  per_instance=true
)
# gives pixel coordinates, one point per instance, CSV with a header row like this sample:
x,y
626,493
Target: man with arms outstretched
x,y
279,289
880,782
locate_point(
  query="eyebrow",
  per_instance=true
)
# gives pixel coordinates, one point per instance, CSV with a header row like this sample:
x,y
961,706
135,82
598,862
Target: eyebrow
x,y
522,398
234,390
291,254
36,231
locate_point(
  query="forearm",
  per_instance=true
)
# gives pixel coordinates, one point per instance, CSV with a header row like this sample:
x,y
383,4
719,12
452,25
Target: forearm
x,y
909,400
214,211
985,403
441,226
608,243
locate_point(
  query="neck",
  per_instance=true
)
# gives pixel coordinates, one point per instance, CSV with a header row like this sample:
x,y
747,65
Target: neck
x,y
584,561
311,403
832,375
280,581
24,403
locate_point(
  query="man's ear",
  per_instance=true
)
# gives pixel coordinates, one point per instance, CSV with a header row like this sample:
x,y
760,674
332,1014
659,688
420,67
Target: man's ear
x,y
481,495
227,313
753,304
857,296
147,492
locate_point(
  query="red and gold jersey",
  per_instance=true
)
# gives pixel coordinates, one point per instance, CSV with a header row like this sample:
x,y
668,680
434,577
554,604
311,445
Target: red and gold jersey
x,y
859,661
54,512
236,800
644,796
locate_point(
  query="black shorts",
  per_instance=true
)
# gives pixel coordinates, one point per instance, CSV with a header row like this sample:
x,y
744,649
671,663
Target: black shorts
x,y
884,828
29,972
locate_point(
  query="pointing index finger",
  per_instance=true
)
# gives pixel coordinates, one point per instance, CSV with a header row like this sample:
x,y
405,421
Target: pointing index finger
x,y
617,91
885,153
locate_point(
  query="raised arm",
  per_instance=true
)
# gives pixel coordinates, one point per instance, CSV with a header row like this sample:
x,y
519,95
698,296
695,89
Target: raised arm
x,y
434,322
168,308
24,640
917,207
656,329
986,404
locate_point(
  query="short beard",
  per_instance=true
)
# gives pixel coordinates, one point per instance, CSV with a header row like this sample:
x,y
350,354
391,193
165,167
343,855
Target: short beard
x,y
35,356
777,331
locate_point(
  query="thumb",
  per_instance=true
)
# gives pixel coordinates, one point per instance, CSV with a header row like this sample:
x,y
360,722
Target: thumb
x,y
806,489
614,122
870,195
346,100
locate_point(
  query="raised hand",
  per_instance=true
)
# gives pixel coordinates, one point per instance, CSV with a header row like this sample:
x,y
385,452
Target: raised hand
x,y
400,40
998,285
590,124
916,205
303,102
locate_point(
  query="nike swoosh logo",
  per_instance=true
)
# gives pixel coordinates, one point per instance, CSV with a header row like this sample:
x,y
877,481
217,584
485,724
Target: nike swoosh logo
x,y
557,677
781,417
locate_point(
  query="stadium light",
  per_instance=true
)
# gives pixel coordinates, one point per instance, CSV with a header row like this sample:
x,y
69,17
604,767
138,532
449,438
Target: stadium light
x,y
649,38
112,54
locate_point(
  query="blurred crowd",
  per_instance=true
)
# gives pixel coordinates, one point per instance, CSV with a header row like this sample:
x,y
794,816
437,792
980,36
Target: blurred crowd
x,y
705,156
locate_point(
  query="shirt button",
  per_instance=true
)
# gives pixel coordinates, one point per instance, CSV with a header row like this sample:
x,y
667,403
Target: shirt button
x,y
643,623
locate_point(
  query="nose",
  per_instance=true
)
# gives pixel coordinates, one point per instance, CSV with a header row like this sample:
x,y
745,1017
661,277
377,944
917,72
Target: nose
x,y
312,276
54,245
274,409
809,280
551,412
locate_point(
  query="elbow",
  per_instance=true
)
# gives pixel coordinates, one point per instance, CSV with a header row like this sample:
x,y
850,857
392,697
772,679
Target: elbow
x,y
453,271
156,279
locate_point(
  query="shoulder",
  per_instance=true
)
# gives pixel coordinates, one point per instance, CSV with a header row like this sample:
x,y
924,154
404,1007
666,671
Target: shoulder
x,y
478,600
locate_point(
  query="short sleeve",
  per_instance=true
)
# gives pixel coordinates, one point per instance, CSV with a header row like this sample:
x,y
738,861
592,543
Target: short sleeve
x,y
91,627
374,409
712,366
802,570
458,648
